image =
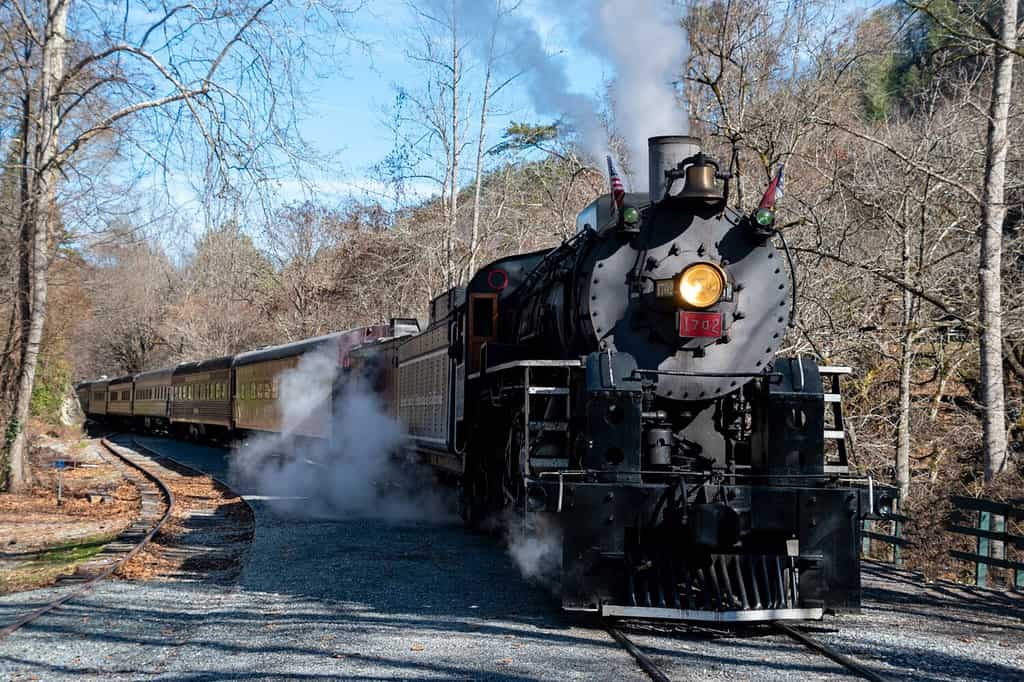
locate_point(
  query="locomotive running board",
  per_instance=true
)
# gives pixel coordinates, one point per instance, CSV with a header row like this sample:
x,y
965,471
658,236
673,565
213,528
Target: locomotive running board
x,y
746,616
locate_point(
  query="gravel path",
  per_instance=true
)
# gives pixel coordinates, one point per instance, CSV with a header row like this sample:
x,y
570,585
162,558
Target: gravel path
x,y
366,599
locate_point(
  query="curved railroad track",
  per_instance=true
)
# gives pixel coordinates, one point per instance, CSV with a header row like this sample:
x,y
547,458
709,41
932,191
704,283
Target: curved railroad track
x,y
651,668
149,504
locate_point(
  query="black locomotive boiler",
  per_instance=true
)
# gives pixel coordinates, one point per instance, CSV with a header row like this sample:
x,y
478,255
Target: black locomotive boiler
x,y
626,384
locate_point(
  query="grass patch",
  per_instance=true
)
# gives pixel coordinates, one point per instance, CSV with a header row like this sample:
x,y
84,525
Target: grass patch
x,y
44,567
73,552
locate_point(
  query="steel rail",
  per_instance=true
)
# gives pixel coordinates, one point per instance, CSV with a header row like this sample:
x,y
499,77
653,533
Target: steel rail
x,y
827,651
643,660
27,618
136,445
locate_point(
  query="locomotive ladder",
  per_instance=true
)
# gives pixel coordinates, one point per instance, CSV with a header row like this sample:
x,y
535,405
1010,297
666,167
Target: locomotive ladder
x,y
536,426
836,430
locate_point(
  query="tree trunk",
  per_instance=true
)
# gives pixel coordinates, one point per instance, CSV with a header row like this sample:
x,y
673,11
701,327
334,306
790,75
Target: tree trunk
x,y
42,217
17,332
474,237
993,212
903,425
906,366
25,229
456,75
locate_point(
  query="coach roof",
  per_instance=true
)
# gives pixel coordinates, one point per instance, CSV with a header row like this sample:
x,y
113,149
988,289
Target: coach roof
x,y
288,350
154,376
203,366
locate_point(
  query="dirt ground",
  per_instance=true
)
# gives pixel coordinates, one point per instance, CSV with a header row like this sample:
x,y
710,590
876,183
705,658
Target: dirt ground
x,y
41,540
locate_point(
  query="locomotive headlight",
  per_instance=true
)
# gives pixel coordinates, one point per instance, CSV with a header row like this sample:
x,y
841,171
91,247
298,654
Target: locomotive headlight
x,y
701,285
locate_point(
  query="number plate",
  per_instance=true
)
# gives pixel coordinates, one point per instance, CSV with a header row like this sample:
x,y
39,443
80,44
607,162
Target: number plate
x,y
700,324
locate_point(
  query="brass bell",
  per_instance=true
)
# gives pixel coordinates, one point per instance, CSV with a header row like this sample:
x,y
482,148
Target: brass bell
x,y
700,182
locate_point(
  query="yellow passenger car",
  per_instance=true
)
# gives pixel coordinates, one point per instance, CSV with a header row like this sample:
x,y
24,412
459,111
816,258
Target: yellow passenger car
x,y
305,373
201,398
119,401
151,406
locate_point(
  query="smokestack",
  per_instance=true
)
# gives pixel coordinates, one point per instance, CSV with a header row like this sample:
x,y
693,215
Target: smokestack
x,y
664,153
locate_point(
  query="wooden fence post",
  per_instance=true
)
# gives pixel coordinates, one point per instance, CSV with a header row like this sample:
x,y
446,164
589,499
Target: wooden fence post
x,y
980,569
897,552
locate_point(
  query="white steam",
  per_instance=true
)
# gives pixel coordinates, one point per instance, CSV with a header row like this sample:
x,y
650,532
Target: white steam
x,y
360,471
647,46
644,42
535,544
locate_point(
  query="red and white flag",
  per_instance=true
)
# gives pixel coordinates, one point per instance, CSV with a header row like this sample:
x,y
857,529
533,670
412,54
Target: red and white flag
x,y
618,190
774,191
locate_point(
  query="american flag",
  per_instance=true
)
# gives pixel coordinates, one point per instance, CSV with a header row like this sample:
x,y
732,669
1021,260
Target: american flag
x,y
618,191
774,191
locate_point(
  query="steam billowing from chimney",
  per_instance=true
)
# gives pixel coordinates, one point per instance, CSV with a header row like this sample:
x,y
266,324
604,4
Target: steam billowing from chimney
x,y
642,39
647,46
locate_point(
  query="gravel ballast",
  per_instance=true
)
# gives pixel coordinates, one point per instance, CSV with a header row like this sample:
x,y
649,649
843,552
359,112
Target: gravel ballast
x,y
369,599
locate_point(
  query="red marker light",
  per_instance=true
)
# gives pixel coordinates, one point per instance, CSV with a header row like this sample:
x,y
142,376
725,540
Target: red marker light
x,y
497,279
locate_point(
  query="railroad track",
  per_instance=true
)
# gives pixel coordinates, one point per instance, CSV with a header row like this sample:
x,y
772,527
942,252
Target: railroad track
x,y
651,668
219,541
137,534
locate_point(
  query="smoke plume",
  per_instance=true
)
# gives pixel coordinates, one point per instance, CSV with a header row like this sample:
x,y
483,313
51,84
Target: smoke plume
x,y
642,40
360,471
647,46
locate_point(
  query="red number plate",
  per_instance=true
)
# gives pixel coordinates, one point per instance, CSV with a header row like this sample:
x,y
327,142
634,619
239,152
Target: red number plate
x,y
700,324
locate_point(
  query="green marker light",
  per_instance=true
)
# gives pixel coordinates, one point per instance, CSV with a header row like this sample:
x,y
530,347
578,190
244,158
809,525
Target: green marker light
x,y
764,216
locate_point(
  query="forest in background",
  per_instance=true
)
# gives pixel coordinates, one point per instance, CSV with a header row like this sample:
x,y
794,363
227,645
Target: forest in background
x,y
881,119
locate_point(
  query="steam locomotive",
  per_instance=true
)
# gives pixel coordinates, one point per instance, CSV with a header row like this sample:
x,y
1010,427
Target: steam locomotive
x,y
624,386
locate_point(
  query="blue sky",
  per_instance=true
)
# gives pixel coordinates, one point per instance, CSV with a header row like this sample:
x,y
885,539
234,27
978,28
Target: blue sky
x,y
347,109
347,106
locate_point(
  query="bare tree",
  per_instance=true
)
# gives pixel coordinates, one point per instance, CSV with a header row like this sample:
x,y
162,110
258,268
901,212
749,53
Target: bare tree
x,y
489,91
199,72
990,272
